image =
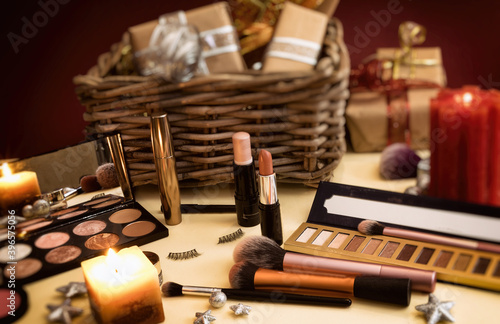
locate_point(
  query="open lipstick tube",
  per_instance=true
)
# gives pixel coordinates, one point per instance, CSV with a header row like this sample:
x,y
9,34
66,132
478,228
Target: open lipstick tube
x,y
269,206
246,195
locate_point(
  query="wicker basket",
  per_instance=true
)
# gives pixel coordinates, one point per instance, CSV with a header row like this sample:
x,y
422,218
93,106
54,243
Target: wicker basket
x,y
298,117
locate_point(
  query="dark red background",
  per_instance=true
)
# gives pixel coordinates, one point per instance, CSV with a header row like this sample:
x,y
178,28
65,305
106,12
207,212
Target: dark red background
x,y
40,112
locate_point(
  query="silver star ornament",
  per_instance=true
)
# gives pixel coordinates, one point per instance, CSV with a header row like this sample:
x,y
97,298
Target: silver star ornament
x,y
240,309
204,318
73,289
436,310
64,312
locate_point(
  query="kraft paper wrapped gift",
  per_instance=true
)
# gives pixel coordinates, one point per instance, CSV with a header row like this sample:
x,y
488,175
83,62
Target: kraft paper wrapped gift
x,y
297,40
220,41
366,113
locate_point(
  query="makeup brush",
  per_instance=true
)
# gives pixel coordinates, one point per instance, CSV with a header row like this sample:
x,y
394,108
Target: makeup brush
x,y
371,227
106,176
89,183
245,275
265,253
172,289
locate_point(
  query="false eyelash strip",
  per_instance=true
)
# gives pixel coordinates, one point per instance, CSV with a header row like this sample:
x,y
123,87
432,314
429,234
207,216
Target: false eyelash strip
x,y
183,255
231,237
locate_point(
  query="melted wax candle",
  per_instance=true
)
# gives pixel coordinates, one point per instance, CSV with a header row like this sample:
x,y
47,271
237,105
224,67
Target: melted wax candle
x,y
17,189
123,288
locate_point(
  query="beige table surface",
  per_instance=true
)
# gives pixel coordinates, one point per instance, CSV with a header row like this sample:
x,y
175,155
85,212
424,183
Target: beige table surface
x,y
201,232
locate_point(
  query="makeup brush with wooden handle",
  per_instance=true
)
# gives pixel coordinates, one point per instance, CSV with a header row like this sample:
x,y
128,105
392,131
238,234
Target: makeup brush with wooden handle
x,y
245,275
265,253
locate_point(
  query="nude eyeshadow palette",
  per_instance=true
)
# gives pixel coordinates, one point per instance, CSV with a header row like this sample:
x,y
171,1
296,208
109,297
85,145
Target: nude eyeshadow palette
x,y
61,241
331,231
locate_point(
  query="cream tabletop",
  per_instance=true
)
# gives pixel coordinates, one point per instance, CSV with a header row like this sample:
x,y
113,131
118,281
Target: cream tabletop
x,y
211,267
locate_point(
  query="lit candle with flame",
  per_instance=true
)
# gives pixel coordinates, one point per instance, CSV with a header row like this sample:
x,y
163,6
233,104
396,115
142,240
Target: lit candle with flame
x,y
123,287
17,189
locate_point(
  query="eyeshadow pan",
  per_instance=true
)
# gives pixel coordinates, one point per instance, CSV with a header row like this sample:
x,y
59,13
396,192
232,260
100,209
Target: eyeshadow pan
x,y
496,273
355,243
102,241
425,256
63,211
51,240
462,262
443,259
139,228
21,251
406,252
481,265
371,246
389,249
30,222
306,234
338,240
321,238
96,201
125,216
107,203
25,268
90,227
63,254
37,226
73,214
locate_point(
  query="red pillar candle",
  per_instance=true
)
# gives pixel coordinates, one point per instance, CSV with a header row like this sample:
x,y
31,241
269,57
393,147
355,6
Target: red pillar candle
x,y
465,153
476,146
494,159
449,181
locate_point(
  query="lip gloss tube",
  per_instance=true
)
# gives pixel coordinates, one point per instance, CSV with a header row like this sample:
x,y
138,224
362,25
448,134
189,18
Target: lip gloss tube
x,y
168,183
246,195
269,206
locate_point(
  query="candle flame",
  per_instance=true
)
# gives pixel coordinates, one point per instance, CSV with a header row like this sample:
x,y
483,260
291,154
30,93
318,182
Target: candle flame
x,y
467,98
6,170
113,260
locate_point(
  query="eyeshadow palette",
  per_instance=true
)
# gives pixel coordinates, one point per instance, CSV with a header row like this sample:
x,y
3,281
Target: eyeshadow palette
x,y
60,242
331,231
452,264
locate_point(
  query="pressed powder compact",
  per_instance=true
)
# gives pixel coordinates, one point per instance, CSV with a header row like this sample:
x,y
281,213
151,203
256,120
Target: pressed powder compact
x,y
90,225
332,230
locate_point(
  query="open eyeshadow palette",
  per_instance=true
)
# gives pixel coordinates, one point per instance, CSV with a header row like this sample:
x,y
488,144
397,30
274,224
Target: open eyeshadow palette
x,y
59,242
331,231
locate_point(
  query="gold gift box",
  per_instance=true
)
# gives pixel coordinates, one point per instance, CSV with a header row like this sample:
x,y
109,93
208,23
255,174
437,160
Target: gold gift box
x,y
297,40
366,113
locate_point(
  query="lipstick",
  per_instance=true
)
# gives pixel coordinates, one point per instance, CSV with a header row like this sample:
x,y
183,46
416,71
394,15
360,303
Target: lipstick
x,y
246,195
269,206
168,183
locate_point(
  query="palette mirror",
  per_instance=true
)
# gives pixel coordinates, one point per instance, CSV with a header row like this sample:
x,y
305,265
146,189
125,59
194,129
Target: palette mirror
x,y
64,168
346,206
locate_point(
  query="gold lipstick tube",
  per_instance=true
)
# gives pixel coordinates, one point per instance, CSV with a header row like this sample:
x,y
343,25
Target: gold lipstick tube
x,y
166,171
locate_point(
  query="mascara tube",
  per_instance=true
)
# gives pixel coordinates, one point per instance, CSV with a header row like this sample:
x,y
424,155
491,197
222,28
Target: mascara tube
x,y
168,183
269,206
246,195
